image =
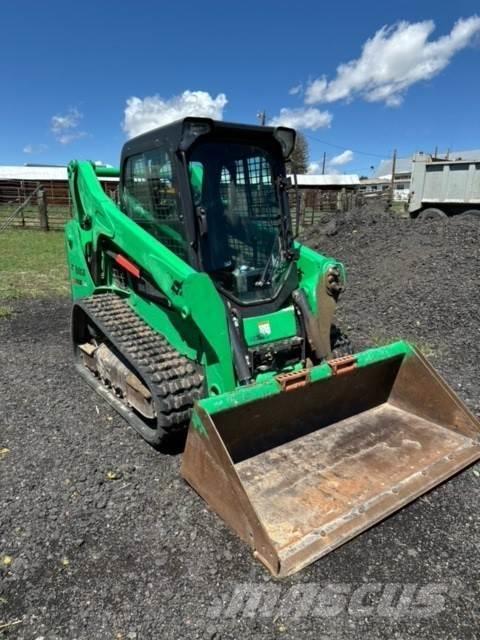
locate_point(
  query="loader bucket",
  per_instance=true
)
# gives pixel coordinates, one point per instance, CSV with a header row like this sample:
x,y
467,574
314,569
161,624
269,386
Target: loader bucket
x,y
300,464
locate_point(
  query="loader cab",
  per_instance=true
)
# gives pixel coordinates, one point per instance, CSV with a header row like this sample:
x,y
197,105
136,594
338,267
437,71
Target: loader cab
x,y
215,194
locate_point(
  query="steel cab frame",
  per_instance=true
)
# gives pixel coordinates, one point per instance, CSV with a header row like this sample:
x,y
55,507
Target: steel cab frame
x,y
177,141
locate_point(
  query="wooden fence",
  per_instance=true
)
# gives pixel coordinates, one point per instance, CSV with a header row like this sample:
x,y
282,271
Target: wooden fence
x,y
44,205
314,204
47,205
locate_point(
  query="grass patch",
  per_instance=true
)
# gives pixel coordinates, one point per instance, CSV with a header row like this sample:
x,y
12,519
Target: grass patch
x,y
32,265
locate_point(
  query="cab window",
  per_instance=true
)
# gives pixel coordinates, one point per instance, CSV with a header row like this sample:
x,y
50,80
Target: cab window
x,y
150,198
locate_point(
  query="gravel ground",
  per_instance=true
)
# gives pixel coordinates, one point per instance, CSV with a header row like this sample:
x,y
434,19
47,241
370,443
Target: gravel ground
x,y
101,538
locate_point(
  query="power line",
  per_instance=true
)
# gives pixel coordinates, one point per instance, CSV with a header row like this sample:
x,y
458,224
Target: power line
x,y
337,146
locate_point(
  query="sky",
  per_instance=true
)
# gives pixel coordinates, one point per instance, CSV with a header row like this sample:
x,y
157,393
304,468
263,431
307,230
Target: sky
x,y
358,78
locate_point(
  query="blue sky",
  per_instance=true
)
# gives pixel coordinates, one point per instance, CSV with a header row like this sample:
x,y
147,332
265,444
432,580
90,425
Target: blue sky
x,y
68,70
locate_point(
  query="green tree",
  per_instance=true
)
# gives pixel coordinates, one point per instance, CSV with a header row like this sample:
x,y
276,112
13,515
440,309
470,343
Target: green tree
x,y
300,157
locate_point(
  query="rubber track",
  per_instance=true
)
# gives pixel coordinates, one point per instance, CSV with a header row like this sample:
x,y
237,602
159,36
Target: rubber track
x,y
171,377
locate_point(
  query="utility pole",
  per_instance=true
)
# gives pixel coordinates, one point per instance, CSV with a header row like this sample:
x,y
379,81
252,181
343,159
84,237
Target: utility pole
x,y
261,117
323,163
394,168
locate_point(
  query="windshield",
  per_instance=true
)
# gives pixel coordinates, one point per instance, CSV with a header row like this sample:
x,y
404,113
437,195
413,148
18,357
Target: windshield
x,y
235,195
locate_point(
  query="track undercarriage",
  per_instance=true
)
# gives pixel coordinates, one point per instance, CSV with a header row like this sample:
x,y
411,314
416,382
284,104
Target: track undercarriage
x,y
134,368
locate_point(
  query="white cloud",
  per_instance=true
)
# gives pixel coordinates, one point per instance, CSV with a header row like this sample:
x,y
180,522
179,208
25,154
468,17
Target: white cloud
x,y
65,127
293,91
314,167
302,118
70,120
343,158
395,58
337,161
154,111
34,148
100,163
67,138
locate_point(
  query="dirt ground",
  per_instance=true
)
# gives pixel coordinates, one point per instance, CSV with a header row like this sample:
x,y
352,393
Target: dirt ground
x,y
101,538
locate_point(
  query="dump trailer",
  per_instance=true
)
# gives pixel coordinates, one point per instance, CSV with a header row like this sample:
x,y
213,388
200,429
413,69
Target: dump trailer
x,y
197,312
441,187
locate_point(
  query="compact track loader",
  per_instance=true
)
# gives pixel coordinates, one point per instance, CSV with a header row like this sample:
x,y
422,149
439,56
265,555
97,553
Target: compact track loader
x,y
193,304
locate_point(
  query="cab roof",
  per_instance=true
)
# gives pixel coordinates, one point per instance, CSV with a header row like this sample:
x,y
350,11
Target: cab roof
x,y
181,134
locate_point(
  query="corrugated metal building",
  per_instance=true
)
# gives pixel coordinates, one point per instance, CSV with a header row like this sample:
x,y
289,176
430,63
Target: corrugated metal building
x,y
327,181
18,182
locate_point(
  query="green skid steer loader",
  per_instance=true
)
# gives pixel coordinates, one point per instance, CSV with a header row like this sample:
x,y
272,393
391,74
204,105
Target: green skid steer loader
x,y
194,306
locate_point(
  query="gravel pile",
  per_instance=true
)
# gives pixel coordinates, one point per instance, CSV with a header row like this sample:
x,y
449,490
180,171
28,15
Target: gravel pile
x,y
414,280
100,537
